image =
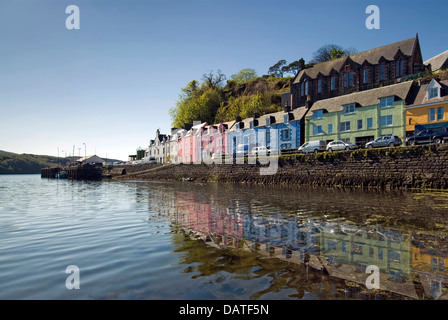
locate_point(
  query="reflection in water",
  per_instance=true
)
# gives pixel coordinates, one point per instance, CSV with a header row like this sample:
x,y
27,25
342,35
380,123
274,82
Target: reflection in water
x,y
308,240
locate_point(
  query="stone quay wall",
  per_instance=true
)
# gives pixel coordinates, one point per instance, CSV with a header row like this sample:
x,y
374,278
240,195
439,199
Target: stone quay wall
x,y
400,167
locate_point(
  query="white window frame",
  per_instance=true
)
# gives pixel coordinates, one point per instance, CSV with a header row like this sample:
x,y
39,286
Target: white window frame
x,y
343,126
387,122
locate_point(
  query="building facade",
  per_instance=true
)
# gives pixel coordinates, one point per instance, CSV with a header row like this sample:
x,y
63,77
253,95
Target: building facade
x,y
360,117
360,71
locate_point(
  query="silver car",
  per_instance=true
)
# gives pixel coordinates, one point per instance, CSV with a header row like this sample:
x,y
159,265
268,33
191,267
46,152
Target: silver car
x,y
340,145
386,141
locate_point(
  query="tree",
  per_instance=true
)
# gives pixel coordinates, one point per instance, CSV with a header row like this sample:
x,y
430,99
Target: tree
x,y
244,75
213,81
294,67
330,52
276,69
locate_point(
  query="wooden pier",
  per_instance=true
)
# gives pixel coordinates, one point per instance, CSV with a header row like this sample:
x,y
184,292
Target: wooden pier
x,y
75,172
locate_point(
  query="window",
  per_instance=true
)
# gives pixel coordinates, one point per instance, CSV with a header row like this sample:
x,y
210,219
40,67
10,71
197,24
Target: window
x,y
285,134
346,140
333,83
330,128
440,113
319,85
251,124
286,118
359,124
350,108
380,254
371,252
318,114
369,123
386,121
399,68
268,122
387,102
433,93
268,136
317,130
285,146
366,75
344,247
348,79
345,126
382,72
304,87
432,114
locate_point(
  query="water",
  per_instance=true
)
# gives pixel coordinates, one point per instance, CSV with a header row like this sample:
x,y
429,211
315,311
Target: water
x,y
160,240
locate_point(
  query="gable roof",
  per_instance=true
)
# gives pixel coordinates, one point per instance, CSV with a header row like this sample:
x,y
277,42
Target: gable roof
x,y
371,56
438,62
420,95
363,98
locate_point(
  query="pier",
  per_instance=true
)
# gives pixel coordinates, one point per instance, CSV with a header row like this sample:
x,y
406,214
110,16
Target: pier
x,y
75,172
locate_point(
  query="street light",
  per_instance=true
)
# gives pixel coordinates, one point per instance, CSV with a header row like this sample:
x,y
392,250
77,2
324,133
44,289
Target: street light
x,y
85,150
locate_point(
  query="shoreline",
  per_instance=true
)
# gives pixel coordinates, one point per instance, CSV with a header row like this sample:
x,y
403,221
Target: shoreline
x,y
417,167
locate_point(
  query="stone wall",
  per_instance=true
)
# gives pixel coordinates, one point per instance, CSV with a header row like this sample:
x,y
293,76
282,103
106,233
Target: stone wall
x,y
403,167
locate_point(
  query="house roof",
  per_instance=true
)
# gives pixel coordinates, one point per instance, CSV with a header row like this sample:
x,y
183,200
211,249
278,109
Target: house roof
x,y
363,98
371,56
438,62
91,158
421,98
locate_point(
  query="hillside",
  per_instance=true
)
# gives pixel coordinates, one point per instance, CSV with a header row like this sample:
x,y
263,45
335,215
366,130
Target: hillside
x,y
12,163
261,95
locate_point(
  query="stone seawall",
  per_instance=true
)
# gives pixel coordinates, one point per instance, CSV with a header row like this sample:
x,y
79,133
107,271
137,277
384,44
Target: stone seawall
x,y
403,167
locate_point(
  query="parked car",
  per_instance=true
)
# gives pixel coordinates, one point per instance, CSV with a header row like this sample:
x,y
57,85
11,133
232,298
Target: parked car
x,y
340,145
264,151
313,146
242,150
435,135
386,141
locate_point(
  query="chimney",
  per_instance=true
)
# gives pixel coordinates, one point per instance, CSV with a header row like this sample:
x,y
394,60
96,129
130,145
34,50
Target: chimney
x,y
308,102
238,119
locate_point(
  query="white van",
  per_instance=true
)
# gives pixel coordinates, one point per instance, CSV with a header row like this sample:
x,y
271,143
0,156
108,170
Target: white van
x,y
313,146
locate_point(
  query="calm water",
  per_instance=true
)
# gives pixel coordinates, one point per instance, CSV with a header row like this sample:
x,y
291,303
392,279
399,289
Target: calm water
x,y
154,240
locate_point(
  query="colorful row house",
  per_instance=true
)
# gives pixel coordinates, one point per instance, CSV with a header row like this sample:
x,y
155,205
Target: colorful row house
x,y
360,117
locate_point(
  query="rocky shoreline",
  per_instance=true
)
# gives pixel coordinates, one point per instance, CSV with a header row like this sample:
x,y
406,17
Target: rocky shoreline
x,y
391,168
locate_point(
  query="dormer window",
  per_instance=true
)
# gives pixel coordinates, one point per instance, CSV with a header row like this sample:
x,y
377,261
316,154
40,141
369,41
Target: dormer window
x,y
387,102
433,90
318,114
349,108
251,124
348,79
286,118
319,85
268,122
433,93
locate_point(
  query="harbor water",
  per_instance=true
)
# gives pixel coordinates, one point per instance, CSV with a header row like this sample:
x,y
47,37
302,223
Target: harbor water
x,y
185,240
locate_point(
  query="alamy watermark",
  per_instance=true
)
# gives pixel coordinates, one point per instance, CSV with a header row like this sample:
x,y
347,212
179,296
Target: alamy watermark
x,y
73,280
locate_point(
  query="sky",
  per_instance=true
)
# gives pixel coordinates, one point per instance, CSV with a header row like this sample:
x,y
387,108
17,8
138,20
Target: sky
x,y
106,87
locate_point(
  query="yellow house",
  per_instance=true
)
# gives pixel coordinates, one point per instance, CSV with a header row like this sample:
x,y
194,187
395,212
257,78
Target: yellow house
x,y
429,108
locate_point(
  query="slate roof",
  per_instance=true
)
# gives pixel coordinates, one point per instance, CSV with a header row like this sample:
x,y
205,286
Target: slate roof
x,y
371,56
363,98
420,95
438,62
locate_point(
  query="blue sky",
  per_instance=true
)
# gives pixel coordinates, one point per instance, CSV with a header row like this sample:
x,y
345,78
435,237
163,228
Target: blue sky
x,y
110,84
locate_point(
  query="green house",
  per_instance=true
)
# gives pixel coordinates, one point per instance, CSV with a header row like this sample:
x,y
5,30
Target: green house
x,y
359,117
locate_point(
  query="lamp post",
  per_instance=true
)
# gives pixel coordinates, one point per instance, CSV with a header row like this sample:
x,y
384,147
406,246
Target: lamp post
x,y
85,150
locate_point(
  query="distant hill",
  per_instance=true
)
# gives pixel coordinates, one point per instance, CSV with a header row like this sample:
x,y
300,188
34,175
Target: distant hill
x,y
13,163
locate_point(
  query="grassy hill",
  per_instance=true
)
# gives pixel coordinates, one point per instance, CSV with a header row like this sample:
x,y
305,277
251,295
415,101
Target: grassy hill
x,y
13,163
